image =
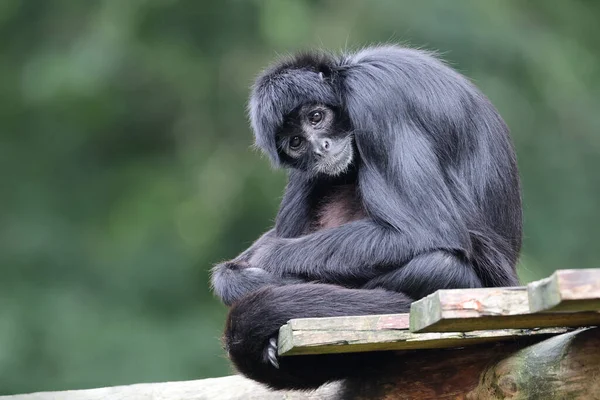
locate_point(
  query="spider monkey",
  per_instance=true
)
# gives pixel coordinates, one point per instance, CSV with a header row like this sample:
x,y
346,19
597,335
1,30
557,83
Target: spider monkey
x,y
402,181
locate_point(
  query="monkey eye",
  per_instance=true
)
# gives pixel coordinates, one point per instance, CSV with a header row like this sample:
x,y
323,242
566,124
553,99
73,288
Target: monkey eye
x,y
314,117
295,142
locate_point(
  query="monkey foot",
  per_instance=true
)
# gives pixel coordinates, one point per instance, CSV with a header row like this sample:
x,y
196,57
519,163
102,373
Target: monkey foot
x,y
271,351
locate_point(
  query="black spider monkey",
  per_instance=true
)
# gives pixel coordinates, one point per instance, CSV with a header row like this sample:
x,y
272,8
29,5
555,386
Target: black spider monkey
x,y
403,181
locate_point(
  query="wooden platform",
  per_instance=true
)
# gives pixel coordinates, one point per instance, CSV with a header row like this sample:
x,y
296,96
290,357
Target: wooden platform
x,y
517,343
534,342
456,318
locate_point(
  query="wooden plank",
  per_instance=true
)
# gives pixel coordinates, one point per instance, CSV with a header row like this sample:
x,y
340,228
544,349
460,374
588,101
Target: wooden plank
x,y
463,310
308,340
566,290
352,323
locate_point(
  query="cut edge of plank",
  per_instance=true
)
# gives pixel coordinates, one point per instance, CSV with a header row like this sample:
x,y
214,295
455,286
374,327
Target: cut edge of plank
x,y
566,290
544,294
285,341
424,312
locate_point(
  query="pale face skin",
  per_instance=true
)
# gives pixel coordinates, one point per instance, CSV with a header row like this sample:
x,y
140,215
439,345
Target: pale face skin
x,y
313,140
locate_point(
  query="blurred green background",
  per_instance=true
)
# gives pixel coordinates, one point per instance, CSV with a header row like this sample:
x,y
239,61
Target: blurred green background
x,y
126,167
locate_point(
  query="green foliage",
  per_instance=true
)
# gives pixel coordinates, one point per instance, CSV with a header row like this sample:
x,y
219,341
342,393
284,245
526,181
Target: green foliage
x,y
127,169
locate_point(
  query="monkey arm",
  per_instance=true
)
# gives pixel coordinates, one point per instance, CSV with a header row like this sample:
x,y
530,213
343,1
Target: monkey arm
x,y
359,250
245,256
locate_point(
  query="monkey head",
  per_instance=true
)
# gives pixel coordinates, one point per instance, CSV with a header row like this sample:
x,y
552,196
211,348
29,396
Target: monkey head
x,y
315,138
295,112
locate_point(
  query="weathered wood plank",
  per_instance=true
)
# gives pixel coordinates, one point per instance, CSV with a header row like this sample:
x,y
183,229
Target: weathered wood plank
x,y
352,323
489,308
566,290
294,341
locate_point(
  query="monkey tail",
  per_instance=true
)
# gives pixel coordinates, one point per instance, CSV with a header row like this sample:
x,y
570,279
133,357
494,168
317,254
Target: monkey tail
x,y
255,319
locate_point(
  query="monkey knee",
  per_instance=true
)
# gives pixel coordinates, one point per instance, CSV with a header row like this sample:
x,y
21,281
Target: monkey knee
x,y
448,269
427,273
258,316
250,324
440,270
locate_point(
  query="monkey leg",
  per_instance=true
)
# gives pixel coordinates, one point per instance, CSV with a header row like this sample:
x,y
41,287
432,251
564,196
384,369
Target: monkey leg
x,y
255,320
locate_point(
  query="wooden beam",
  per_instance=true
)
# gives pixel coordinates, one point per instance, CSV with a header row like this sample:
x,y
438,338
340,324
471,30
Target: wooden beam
x,y
309,336
566,290
225,388
489,308
561,367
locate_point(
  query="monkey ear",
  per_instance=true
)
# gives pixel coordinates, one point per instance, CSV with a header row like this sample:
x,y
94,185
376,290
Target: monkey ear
x,y
322,76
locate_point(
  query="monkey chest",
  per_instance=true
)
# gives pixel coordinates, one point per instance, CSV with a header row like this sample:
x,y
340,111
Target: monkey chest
x,y
342,205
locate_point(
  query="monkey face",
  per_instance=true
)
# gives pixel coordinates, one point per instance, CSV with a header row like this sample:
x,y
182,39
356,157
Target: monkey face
x,y
315,139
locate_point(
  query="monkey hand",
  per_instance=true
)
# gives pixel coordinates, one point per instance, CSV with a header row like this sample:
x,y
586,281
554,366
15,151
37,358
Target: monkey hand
x,y
233,280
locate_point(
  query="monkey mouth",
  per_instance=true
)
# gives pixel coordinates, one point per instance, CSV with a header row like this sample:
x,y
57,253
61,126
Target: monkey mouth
x,y
336,164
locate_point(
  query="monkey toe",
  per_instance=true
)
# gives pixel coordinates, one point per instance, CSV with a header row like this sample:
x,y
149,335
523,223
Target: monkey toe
x,y
271,351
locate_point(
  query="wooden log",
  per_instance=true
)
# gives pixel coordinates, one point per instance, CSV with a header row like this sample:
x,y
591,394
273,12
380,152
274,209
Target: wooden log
x,y
565,366
489,308
225,388
379,333
566,290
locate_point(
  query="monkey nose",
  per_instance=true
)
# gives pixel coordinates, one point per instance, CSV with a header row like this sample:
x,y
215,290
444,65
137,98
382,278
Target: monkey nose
x,y
323,147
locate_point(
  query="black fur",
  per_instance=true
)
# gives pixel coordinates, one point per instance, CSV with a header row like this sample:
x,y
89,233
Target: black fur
x,y
437,176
